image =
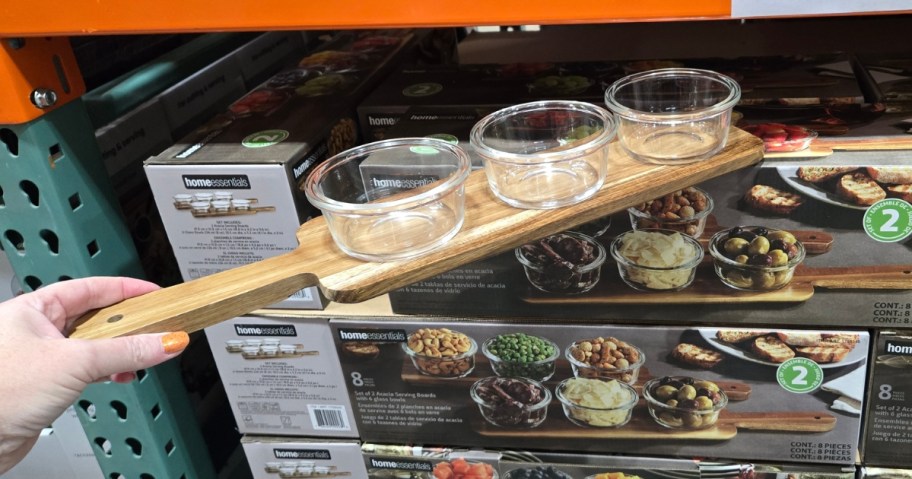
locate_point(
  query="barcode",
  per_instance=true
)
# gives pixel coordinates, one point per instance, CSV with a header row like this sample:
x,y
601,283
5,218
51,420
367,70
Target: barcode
x,y
331,418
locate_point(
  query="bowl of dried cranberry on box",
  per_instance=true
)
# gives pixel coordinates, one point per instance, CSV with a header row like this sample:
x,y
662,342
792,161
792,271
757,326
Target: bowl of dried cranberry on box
x,y
781,138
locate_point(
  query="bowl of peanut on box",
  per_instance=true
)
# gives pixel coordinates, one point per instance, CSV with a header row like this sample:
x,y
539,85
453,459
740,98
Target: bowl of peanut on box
x,y
441,352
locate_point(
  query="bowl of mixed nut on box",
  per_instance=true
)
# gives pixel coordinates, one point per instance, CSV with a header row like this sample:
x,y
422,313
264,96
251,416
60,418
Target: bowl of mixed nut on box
x,y
441,352
605,358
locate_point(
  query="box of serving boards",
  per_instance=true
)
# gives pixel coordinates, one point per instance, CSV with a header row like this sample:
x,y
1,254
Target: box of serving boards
x,y
889,412
282,376
275,457
229,193
734,394
830,246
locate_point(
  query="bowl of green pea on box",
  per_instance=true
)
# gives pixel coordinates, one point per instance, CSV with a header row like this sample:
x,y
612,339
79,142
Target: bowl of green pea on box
x,y
521,355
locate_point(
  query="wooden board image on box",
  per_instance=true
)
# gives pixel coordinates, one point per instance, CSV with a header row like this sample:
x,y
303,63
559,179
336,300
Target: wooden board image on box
x,y
404,391
831,273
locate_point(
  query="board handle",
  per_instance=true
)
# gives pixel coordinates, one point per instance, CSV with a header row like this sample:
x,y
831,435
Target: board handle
x,y
201,302
796,421
860,277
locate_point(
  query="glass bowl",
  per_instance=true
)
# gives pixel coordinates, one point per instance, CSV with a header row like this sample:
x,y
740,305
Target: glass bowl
x,y
527,407
535,363
656,259
434,359
610,403
378,219
536,472
575,269
684,211
782,138
673,115
698,413
588,360
545,154
768,266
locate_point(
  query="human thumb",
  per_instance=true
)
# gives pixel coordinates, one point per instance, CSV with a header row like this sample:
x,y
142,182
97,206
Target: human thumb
x,y
130,353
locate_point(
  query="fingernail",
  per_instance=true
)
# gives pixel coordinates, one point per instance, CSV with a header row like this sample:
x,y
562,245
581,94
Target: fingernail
x,y
175,342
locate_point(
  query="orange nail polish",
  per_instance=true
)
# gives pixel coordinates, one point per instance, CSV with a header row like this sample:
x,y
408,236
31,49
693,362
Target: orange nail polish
x,y
175,342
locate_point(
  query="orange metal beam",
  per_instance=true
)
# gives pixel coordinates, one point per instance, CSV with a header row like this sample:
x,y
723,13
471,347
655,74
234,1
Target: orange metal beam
x,y
82,17
37,75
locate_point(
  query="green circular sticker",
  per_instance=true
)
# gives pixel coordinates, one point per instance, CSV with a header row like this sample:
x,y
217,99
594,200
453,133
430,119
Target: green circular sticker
x,y
445,137
889,220
799,375
424,150
262,139
422,89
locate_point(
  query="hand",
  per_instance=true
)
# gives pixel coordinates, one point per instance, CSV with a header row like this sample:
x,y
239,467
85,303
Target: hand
x,y
42,372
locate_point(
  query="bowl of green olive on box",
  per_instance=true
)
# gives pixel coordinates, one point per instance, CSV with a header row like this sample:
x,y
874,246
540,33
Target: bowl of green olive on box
x,y
682,402
521,355
755,258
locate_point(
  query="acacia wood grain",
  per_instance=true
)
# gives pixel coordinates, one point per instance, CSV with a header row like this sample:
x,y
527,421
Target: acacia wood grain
x,y
490,227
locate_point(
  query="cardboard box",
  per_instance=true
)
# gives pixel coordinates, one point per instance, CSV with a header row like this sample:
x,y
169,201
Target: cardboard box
x,y
129,140
520,464
439,90
883,473
846,270
297,389
202,95
285,457
396,402
384,461
260,151
76,447
263,56
889,413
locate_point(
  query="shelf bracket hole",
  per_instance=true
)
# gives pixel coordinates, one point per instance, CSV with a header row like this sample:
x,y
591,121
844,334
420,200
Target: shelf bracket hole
x,y
53,243
146,476
120,409
88,408
93,248
64,278
14,238
156,411
104,445
11,140
33,282
54,154
135,446
75,201
169,448
31,190
141,375
2,203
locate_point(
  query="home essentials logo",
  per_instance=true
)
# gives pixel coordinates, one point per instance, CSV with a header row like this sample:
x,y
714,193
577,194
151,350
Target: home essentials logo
x,y
265,330
401,464
216,182
902,349
381,335
301,454
401,182
310,160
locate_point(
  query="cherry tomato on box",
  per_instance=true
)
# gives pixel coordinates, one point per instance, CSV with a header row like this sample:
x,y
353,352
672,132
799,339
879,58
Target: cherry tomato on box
x,y
779,137
461,469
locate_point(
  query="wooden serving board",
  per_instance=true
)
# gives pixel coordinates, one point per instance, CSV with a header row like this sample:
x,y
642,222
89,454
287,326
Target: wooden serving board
x,y
490,227
822,146
642,426
707,288
736,391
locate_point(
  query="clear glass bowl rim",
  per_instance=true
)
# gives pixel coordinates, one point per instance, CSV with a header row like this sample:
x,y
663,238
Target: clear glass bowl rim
x,y
380,207
476,136
626,263
493,358
727,103
595,264
665,407
634,397
725,260
710,204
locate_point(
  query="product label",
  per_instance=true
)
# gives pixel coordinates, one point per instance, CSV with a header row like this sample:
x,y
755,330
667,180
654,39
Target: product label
x,y
401,464
216,182
388,335
265,330
302,454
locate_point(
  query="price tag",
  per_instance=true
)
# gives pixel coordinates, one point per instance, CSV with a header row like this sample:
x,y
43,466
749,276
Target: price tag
x,y
799,375
889,220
